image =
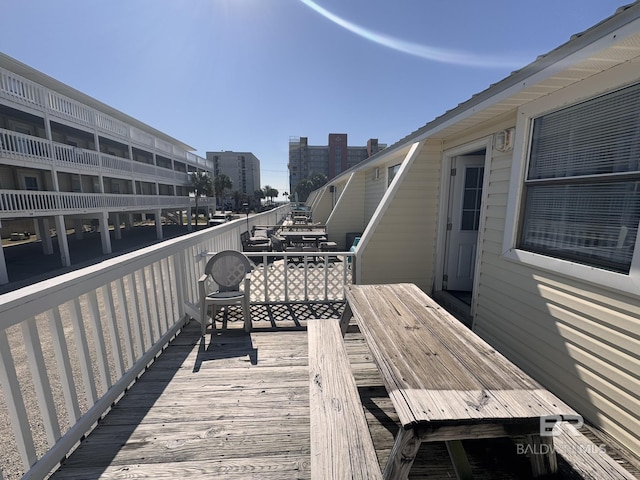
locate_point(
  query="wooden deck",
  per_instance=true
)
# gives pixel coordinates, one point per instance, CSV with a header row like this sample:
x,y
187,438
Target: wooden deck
x,y
237,406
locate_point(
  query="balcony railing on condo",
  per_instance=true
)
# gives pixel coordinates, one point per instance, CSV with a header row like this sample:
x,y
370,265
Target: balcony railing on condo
x,y
34,203
38,150
81,339
25,92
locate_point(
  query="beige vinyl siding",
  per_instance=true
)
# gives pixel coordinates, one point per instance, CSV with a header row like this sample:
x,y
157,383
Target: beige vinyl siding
x,y
348,213
313,198
579,340
321,208
402,246
375,189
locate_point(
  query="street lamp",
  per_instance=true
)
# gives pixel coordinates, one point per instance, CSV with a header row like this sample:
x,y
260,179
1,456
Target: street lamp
x,y
246,210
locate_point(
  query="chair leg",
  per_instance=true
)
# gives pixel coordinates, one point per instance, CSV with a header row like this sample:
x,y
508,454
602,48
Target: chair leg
x,y
203,318
246,309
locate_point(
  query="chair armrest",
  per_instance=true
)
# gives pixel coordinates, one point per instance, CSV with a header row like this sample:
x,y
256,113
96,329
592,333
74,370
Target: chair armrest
x,y
247,283
201,285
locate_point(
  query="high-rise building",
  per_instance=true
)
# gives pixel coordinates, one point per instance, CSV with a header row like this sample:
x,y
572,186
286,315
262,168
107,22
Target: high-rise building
x,y
306,160
243,168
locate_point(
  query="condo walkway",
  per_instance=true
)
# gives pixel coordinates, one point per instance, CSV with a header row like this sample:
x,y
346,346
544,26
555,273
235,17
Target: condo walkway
x,y
236,405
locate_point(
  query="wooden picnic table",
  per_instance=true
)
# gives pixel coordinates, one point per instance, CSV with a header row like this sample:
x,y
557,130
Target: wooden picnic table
x,y
445,382
313,236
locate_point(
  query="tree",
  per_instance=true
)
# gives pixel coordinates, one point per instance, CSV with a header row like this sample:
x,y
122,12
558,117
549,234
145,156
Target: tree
x,y
286,195
238,199
270,192
201,186
308,185
220,184
258,195
318,180
303,189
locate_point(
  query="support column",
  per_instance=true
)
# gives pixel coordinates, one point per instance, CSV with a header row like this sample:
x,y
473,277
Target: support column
x,y
158,214
4,275
189,220
104,233
78,229
96,140
63,244
117,231
128,221
44,230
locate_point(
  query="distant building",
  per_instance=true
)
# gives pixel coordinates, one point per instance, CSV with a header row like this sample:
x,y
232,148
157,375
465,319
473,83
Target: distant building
x,y
306,160
243,168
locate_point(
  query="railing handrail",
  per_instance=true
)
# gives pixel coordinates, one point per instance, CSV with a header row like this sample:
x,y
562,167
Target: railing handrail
x,y
44,201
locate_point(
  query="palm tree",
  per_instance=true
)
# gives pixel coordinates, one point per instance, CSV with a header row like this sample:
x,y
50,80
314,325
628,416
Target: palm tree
x,y
238,199
258,195
201,185
270,192
220,184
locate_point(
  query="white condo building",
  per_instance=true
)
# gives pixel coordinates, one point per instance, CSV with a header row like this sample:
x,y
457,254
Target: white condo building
x,y
68,161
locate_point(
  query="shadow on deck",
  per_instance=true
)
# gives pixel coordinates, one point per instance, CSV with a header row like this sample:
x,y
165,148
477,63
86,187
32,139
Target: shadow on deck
x,y
236,405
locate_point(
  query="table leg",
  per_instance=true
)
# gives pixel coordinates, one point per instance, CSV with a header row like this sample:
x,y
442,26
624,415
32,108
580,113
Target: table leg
x,y
404,451
543,456
344,320
459,460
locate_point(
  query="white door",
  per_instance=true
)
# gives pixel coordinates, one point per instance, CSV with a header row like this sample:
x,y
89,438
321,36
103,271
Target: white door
x,y
465,196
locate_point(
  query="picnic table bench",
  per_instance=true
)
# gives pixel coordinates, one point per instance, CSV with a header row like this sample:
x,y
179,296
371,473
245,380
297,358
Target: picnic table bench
x,y
341,445
445,382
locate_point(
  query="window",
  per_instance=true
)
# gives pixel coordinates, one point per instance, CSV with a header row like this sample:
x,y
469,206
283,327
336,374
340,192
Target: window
x,y
392,173
472,198
30,183
582,187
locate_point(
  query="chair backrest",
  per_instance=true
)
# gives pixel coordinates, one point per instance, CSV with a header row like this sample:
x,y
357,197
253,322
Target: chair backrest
x,y
228,268
277,244
244,238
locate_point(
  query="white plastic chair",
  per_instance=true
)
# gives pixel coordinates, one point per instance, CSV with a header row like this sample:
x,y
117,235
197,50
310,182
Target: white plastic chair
x,y
220,285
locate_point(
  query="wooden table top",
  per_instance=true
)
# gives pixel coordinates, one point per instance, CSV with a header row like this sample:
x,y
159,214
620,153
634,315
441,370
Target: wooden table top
x,y
436,369
300,234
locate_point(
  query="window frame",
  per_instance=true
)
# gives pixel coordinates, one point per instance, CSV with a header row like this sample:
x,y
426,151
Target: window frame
x,y
601,84
392,171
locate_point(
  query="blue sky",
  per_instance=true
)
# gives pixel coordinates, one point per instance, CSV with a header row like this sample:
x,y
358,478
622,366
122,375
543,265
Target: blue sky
x,y
246,75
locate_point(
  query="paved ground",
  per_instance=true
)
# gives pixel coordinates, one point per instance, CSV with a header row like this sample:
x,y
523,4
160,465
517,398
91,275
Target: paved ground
x,y
26,264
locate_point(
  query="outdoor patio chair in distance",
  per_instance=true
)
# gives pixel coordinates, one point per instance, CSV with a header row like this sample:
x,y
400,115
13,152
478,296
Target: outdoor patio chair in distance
x,y
220,286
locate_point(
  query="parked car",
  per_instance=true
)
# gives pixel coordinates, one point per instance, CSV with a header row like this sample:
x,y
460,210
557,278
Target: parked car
x,y
217,218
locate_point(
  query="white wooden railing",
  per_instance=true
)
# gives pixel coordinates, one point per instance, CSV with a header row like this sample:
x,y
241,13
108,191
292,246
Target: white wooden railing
x,y
70,346
16,202
38,150
25,92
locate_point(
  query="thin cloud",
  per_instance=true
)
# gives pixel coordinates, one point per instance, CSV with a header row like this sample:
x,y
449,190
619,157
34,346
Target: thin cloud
x,y
436,54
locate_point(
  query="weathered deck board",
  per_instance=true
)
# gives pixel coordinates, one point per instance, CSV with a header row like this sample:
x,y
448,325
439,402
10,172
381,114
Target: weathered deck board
x,y
239,409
